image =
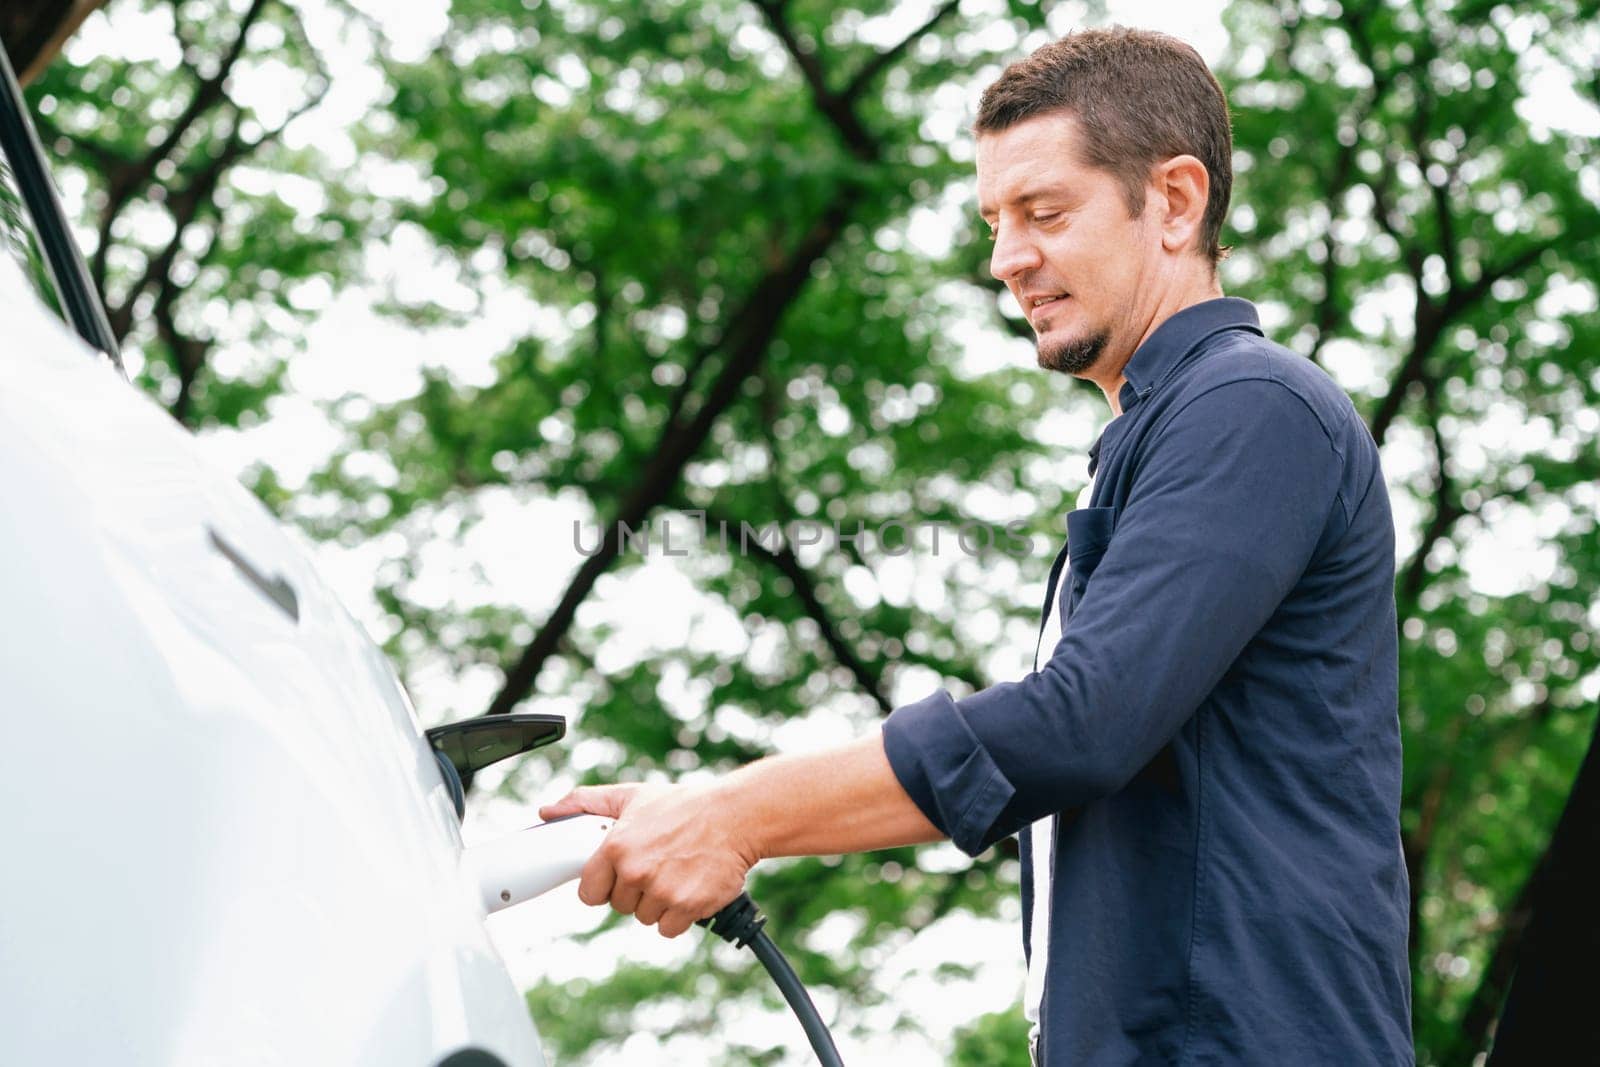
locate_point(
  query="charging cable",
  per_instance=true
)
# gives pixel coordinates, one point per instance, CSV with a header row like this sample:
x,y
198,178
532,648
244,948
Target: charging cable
x,y
522,865
740,923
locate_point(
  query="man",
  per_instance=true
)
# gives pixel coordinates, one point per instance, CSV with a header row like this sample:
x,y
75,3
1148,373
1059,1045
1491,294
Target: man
x,y
1206,767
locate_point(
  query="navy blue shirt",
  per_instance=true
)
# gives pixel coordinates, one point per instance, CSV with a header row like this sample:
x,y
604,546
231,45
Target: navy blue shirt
x,y
1216,731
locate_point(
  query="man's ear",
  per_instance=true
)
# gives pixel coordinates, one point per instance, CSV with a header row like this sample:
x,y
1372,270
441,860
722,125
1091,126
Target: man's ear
x,y
1182,185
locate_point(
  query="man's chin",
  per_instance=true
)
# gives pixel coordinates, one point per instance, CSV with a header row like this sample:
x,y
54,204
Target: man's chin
x,y
1071,355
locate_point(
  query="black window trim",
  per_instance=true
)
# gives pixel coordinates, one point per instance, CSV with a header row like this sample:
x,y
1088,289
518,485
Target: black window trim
x,y
85,312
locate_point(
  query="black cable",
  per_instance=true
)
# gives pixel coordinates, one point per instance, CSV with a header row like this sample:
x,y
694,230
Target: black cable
x,y
740,923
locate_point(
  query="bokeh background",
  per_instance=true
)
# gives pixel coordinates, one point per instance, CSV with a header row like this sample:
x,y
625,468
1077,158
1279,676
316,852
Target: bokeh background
x,y
441,280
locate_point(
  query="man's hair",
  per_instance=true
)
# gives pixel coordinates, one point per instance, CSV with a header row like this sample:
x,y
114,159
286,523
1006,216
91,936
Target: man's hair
x,y
1140,98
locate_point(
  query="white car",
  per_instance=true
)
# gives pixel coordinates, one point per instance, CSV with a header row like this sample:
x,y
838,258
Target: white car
x,y
228,840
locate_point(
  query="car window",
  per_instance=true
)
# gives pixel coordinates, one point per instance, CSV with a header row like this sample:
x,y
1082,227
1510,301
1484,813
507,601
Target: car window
x,y
19,242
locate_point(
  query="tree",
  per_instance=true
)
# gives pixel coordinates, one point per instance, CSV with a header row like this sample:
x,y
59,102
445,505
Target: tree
x,y
717,198
742,238
1547,1017
33,32
1431,243
188,257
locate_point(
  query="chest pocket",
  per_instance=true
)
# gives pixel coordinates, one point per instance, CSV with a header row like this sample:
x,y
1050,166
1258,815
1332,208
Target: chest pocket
x,y
1088,535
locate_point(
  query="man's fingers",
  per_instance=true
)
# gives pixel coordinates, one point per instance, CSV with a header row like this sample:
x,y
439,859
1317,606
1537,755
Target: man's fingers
x,y
663,862
674,923
650,910
591,799
594,887
625,899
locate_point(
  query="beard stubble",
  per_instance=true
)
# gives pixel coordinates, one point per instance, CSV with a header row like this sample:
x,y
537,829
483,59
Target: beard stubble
x,y
1073,355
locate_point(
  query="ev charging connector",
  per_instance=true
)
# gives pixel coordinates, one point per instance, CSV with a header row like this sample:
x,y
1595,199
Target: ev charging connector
x,y
531,862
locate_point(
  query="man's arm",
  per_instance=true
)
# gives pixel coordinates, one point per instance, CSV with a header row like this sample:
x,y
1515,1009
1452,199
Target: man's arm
x,y
678,853
1225,515
845,799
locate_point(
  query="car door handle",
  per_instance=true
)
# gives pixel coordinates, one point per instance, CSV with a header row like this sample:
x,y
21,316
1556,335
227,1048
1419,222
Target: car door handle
x,y
276,589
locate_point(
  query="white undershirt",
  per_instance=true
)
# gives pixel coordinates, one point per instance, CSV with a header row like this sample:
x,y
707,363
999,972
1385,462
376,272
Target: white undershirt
x,y
1041,837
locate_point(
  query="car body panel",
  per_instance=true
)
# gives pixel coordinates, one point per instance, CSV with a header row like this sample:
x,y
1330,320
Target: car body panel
x,y
226,839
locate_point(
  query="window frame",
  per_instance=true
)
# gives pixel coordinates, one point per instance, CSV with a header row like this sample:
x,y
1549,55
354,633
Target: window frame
x,y
62,260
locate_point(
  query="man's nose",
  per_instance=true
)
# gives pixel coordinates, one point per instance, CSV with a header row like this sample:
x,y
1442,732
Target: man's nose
x,y
1014,254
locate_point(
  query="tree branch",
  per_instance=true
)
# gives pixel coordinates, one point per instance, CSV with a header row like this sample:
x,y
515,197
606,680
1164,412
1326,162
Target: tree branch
x,y
880,62
104,158
1385,215
1447,507
745,343
123,183
869,677
963,673
745,340
1431,320
1504,743
1426,325
1445,219
679,400
1461,299
184,207
208,93
1330,310
188,354
1548,1013
1417,845
839,107
1490,993
835,108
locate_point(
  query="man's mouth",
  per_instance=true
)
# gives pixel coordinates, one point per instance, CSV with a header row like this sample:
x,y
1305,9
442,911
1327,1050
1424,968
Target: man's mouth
x,y
1037,305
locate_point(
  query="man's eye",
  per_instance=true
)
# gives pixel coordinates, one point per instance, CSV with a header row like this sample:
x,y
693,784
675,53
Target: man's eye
x,y
1047,216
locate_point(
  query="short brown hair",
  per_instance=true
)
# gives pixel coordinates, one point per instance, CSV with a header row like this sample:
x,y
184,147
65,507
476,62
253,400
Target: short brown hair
x,y
1140,97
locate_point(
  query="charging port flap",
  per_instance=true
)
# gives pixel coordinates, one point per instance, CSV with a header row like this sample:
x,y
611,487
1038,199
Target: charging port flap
x,y
473,744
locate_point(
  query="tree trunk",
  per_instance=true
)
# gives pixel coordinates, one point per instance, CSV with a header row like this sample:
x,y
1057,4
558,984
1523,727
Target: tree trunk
x,y
34,31
1550,1014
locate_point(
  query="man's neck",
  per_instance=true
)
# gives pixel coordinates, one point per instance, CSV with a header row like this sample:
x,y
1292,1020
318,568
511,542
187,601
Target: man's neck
x,y
1111,380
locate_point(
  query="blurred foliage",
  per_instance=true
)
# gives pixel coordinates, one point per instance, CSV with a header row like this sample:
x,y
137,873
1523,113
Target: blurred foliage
x,y
194,239
717,215
19,241
999,1039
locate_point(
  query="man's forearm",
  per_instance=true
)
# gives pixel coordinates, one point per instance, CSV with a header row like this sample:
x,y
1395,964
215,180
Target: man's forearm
x,y
840,800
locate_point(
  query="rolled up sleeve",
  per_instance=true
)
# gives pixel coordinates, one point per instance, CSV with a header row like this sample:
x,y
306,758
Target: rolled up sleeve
x,y
1230,498
947,771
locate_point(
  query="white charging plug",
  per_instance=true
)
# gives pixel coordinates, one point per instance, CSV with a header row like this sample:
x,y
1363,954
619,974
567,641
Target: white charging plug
x,y
532,862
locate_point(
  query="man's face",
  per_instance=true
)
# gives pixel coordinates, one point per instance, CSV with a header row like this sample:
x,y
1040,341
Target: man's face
x,y
1064,243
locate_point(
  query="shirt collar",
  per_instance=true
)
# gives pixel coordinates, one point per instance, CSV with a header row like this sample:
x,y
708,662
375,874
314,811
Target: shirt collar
x,y
1177,337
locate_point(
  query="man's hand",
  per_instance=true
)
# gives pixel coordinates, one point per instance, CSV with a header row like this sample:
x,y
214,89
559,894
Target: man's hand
x,y
679,853
674,855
